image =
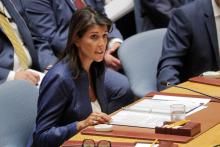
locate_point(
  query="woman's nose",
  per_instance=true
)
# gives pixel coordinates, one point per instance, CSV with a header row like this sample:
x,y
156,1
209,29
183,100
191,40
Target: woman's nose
x,y
102,42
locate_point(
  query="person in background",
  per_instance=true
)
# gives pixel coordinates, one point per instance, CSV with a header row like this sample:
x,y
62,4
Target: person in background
x,y
17,52
73,94
48,21
191,45
156,13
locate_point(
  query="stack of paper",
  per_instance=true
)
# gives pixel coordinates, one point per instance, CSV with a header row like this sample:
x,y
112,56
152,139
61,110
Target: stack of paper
x,y
153,112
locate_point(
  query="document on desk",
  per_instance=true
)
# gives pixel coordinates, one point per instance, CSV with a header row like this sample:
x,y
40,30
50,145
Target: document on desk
x,y
146,145
139,119
181,99
153,112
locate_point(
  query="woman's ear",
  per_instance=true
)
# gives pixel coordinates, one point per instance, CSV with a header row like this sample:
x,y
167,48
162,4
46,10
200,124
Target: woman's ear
x,y
77,42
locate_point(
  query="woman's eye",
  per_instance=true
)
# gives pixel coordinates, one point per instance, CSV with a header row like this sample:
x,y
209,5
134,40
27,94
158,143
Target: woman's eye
x,y
94,37
105,36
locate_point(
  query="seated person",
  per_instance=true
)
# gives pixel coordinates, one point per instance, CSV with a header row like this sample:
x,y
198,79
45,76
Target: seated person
x,y
157,13
49,20
191,45
17,52
73,94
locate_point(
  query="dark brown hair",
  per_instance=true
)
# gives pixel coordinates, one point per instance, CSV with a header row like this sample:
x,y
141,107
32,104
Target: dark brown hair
x,y
80,22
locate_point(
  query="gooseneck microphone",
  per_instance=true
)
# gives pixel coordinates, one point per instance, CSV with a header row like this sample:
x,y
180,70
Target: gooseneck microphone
x,y
168,84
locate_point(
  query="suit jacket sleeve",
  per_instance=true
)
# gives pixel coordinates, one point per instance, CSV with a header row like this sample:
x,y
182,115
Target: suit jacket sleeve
x,y
175,47
49,36
6,57
159,11
54,97
162,7
5,52
3,74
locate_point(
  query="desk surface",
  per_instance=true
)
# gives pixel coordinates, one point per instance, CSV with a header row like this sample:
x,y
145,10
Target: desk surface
x,y
207,139
207,89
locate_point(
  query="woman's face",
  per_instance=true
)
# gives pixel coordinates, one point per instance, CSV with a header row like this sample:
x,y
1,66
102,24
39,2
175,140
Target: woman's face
x,y
92,44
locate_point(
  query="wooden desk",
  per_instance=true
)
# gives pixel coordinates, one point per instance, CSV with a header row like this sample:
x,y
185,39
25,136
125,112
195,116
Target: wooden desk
x,y
207,139
207,89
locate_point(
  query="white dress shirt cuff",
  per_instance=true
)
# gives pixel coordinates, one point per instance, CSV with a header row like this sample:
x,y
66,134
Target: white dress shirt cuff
x,y
112,41
11,76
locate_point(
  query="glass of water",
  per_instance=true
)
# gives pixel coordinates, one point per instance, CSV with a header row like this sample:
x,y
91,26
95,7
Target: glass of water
x,y
178,112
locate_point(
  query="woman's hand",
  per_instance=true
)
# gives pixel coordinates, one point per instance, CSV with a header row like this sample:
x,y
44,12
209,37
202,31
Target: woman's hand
x,y
110,60
27,75
93,119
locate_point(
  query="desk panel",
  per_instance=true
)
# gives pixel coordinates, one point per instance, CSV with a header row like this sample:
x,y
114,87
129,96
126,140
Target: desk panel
x,y
208,139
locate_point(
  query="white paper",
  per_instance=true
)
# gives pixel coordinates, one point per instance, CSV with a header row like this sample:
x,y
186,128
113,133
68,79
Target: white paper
x,y
153,112
163,106
196,110
180,98
145,145
139,119
118,8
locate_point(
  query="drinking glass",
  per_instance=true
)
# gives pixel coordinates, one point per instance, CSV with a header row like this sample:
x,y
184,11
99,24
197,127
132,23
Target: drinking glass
x,y
178,112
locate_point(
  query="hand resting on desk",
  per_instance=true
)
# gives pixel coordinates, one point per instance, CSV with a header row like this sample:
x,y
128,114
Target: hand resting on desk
x,y
93,119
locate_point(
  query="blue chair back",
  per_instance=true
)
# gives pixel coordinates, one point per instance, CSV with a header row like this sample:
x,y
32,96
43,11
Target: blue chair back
x,y
18,110
139,56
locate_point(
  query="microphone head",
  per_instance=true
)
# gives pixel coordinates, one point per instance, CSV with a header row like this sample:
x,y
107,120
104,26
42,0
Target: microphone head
x,y
165,83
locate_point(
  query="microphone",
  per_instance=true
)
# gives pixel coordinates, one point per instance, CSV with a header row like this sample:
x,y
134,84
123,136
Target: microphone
x,y
168,84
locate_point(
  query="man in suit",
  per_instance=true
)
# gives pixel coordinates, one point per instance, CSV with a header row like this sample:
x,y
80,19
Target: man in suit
x,y
49,20
12,67
191,45
157,13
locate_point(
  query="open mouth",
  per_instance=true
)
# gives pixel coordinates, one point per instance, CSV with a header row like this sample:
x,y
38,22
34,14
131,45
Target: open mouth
x,y
99,52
